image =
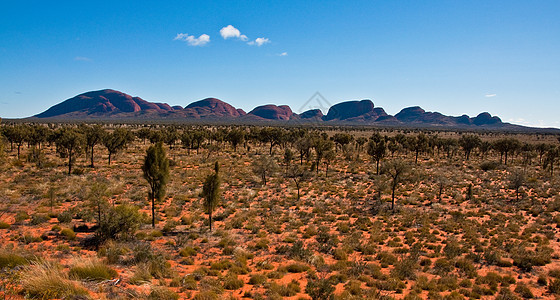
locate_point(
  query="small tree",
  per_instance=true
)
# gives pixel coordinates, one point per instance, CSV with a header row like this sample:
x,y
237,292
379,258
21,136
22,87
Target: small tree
x,y
211,193
94,135
517,179
263,166
117,140
468,142
298,174
396,169
377,150
330,156
97,199
69,142
156,172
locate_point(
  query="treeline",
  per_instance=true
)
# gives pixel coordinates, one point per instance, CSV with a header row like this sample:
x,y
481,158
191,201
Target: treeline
x,y
313,146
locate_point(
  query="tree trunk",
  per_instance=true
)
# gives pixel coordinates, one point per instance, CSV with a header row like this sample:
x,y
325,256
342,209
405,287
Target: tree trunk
x,y
393,198
92,157
153,212
109,157
69,162
210,219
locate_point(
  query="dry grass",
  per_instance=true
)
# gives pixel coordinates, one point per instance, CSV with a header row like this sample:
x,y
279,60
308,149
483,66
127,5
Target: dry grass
x,y
46,280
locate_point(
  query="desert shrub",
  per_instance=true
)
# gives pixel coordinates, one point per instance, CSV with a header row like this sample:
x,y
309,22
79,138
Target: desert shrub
x,y
162,293
325,241
9,259
113,251
524,291
442,266
319,289
120,222
68,234
206,295
141,275
340,254
92,269
257,279
156,263
466,267
452,249
21,216
295,251
4,225
554,286
231,282
297,268
489,165
187,252
38,219
46,281
405,269
64,217
506,294
525,259
386,258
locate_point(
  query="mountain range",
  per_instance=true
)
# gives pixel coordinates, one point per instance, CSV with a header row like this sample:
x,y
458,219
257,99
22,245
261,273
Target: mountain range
x,y
112,105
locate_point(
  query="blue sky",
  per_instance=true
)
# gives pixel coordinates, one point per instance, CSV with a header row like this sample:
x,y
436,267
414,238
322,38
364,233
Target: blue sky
x,y
456,57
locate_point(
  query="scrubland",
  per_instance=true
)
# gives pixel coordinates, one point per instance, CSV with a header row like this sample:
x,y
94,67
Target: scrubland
x,y
303,213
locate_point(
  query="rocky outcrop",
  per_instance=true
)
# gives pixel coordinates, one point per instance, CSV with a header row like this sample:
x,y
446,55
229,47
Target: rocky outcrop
x,y
272,112
212,107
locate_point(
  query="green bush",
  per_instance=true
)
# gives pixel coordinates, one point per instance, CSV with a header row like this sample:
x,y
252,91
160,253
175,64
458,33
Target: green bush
x,y
121,222
68,233
4,225
9,259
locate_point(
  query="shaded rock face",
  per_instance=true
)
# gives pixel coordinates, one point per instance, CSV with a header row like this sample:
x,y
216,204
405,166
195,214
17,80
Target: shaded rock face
x,y
102,102
212,107
410,114
349,109
486,119
311,114
273,112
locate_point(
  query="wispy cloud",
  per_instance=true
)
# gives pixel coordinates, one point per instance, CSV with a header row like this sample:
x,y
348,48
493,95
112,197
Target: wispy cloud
x,y
232,32
82,58
202,40
283,54
259,41
490,95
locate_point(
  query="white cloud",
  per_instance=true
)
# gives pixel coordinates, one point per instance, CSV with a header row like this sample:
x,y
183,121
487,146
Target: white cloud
x,y
202,40
82,58
490,95
232,32
259,41
283,54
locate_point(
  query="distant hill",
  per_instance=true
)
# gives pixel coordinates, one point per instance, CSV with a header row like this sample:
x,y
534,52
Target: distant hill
x,y
114,105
